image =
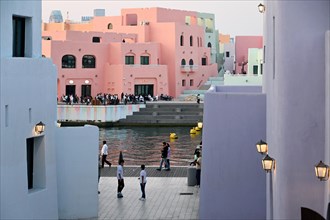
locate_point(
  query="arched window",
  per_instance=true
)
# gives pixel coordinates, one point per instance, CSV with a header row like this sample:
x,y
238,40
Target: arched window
x,y
183,62
145,59
200,42
197,41
191,62
209,45
68,61
181,40
110,26
191,41
88,61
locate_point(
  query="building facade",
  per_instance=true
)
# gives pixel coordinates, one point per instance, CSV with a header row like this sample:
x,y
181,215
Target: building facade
x,y
291,114
143,51
33,184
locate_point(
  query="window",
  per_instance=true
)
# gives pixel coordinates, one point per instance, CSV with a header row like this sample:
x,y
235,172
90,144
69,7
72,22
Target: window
x,y
129,60
191,62
35,161
209,45
68,61
203,61
191,82
197,41
181,40
110,26
96,40
88,61
18,36
191,41
255,69
261,68
183,62
183,82
144,60
227,54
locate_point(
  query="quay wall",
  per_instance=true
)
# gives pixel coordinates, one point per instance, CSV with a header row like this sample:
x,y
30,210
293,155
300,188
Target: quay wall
x,y
97,113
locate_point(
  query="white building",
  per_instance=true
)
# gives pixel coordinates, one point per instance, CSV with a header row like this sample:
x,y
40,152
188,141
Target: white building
x,y
292,114
42,174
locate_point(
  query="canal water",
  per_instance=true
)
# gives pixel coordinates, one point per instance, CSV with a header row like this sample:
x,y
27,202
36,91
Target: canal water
x,y
142,145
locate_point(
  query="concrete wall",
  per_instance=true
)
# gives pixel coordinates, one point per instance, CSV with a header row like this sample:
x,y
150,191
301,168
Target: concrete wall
x,y
327,113
233,183
108,113
77,151
295,90
242,80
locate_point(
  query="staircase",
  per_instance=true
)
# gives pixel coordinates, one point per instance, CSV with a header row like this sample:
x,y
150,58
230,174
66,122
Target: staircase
x,y
190,95
169,113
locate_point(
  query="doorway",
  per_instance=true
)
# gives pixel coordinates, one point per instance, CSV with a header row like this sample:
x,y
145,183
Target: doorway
x,y
144,90
70,89
86,90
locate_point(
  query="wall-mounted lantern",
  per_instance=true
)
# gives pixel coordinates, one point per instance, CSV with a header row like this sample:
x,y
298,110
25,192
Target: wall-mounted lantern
x,y
261,8
39,128
322,171
268,163
200,124
262,147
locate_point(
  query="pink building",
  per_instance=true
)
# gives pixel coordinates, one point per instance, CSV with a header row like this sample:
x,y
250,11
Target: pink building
x,y
242,45
143,51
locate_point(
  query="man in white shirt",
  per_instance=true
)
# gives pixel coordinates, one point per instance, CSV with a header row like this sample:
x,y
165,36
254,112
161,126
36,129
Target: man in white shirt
x,y
143,181
104,153
120,177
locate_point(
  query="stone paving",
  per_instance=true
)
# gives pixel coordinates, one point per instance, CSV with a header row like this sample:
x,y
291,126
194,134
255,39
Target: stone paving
x,y
166,198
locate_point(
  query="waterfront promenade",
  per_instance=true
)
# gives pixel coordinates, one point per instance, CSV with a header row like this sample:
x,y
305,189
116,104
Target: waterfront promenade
x,y
168,195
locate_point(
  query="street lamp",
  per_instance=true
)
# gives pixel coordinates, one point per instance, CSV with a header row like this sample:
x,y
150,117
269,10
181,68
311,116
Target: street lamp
x,y
40,127
322,171
262,147
261,8
268,163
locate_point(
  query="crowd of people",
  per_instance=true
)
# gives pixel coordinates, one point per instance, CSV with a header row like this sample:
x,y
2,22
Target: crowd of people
x,y
111,99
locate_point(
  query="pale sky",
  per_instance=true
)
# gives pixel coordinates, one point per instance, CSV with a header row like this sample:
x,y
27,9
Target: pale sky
x,y
232,17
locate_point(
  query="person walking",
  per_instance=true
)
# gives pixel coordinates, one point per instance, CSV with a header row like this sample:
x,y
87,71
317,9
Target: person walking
x,y
163,156
198,169
143,181
104,153
168,167
120,178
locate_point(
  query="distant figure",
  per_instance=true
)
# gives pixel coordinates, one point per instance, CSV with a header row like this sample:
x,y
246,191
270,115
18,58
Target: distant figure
x,y
163,156
198,169
198,99
99,173
120,177
104,153
168,167
143,181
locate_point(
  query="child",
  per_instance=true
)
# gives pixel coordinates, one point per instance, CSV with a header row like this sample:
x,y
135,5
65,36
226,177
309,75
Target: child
x,y
143,181
120,177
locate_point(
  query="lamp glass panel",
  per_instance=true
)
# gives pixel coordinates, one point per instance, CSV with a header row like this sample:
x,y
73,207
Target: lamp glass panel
x,y
321,172
267,164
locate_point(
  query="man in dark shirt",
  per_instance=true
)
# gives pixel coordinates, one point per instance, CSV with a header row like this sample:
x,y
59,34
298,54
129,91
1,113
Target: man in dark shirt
x,y
164,152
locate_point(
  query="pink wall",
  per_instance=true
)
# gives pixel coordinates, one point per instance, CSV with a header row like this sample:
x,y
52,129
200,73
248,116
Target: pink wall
x,y
242,45
159,39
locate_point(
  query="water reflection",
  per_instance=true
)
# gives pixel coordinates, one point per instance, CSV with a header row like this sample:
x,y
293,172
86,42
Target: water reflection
x,y
142,145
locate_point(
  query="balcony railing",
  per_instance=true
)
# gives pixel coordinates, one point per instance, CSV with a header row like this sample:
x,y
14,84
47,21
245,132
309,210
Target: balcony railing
x,y
188,68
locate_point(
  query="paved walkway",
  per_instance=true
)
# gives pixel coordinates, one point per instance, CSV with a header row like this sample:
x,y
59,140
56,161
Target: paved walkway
x,y
167,198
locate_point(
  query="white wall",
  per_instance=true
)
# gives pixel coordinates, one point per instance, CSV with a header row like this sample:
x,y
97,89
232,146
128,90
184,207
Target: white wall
x,y
233,183
77,152
28,96
108,113
327,113
26,9
295,103
229,61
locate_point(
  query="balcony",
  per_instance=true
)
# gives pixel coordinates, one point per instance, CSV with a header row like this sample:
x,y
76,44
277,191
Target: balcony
x,y
188,68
